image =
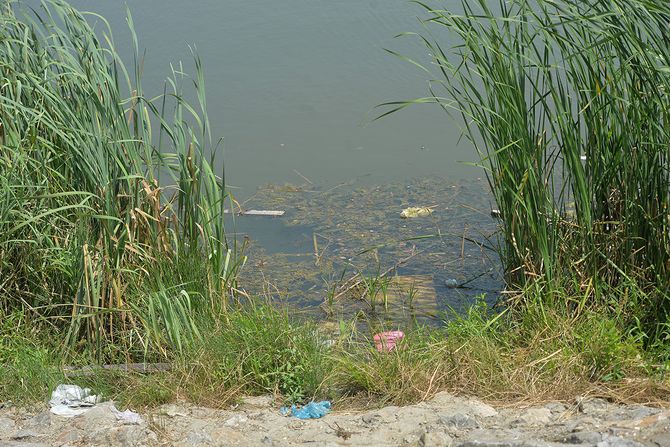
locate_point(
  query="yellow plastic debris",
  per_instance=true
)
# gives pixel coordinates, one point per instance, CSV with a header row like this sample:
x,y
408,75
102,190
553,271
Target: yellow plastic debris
x,y
416,212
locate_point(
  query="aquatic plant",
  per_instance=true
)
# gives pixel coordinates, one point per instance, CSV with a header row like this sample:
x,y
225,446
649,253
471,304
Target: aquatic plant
x,y
567,103
107,197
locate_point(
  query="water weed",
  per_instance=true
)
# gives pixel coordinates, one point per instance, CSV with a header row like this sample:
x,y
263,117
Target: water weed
x,y
101,185
566,102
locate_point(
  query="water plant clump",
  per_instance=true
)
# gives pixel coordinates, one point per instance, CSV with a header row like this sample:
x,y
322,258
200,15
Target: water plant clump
x,y
567,102
111,215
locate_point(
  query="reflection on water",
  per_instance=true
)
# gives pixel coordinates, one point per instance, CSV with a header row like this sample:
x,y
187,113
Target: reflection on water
x,y
346,238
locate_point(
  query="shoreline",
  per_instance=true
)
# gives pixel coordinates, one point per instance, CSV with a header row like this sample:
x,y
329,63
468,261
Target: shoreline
x,y
443,420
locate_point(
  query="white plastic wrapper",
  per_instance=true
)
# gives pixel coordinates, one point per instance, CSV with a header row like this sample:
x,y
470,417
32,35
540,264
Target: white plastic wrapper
x,y
127,417
71,400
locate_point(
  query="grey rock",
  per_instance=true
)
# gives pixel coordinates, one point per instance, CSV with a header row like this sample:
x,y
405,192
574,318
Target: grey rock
x,y
661,439
99,426
70,437
258,401
641,412
236,420
411,439
593,406
534,416
297,424
619,432
435,439
459,420
458,404
7,427
129,436
256,415
101,415
582,423
41,420
556,407
495,437
26,433
173,410
371,419
504,443
198,438
444,421
615,441
584,437
22,444
203,413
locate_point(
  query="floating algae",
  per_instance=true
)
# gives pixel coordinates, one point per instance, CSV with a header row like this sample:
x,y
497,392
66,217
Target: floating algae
x,y
341,235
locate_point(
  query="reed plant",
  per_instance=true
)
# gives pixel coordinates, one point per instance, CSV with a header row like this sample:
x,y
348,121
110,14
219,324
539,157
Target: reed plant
x,y
107,195
567,102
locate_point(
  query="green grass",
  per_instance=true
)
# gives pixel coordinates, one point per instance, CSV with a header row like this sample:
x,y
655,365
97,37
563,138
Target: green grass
x,y
530,353
260,351
29,364
521,355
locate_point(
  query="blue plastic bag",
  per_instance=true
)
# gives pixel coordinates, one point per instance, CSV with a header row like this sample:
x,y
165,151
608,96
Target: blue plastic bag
x,y
313,410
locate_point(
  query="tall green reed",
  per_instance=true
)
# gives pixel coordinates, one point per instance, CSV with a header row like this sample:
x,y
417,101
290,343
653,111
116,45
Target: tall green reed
x,y
101,183
567,103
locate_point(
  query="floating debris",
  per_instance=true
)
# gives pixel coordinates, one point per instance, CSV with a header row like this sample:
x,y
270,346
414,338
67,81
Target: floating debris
x,y
412,259
414,211
451,283
417,288
272,213
404,294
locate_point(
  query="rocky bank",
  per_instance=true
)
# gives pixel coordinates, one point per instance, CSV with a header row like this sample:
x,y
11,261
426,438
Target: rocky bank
x,y
444,420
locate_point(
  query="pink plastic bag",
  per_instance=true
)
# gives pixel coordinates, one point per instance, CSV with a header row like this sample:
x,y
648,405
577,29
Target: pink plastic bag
x,y
386,341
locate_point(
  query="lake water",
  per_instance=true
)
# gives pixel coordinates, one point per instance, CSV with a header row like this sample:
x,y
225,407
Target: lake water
x,y
292,87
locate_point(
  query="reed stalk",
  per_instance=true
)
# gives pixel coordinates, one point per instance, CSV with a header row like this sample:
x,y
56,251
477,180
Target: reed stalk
x,y
101,185
567,103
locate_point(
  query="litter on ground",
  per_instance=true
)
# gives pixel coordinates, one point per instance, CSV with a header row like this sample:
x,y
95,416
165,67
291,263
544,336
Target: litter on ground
x,y
71,400
313,410
127,417
386,341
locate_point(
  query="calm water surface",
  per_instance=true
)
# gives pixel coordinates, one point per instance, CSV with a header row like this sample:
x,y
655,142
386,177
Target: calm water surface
x,y
292,85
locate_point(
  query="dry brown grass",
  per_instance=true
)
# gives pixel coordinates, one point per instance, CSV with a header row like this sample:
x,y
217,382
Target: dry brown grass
x,y
509,362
